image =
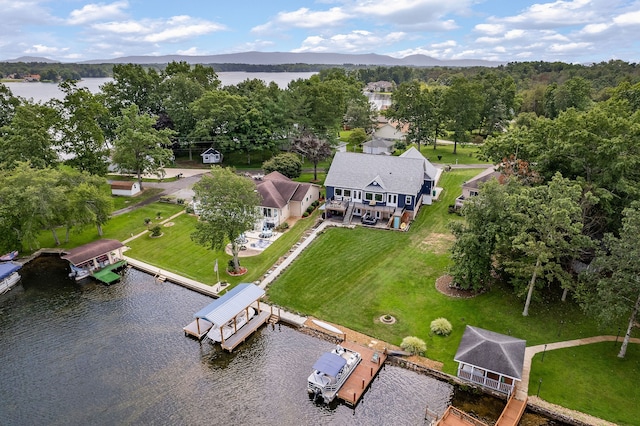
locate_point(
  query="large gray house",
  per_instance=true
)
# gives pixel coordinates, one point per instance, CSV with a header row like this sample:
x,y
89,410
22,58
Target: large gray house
x,y
384,188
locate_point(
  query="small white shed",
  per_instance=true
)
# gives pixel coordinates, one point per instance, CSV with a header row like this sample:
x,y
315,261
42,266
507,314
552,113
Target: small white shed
x,y
211,156
126,189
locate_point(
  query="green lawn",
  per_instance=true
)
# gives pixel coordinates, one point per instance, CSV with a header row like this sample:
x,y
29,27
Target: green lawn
x,y
583,377
394,273
118,228
465,154
175,252
120,202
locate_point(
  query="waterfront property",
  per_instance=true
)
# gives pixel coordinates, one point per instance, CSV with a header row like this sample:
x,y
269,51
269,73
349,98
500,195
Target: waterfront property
x,y
490,359
98,259
228,319
9,275
388,188
283,198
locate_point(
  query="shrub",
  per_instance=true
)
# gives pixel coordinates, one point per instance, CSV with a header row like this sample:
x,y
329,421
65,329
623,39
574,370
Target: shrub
x,y
147,220
414,345
310,209
158,215
288,164
305,214
156,231
180,201
189,209
441,326
282,226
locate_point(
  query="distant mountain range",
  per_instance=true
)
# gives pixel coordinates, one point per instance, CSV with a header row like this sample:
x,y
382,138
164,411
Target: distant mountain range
x,y
279,58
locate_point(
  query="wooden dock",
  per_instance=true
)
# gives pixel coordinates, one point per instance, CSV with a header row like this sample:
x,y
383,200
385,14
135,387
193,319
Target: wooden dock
x,y
512,412
198,328
365,372
454,417
242,334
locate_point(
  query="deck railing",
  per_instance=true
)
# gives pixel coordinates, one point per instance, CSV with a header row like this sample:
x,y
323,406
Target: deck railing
x,y
485,381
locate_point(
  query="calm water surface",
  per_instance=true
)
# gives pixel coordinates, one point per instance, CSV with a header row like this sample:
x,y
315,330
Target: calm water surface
x,y
42,92
74,354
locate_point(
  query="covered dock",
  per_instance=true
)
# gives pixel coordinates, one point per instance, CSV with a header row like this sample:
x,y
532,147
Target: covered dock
x,y
98,258
225,310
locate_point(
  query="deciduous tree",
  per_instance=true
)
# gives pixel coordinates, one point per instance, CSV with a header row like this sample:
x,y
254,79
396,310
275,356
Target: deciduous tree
x,y
611,286
228,206
139,148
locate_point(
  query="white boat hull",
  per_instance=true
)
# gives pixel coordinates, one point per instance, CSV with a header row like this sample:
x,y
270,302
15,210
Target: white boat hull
x,y
8,282
326,386
230,328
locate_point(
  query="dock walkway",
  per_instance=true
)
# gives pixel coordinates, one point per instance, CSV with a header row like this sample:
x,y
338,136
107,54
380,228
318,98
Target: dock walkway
x,y
371,363
512,412
241,335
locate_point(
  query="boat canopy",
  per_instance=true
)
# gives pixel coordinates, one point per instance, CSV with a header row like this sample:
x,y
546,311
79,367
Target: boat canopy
x,y
8,268
92,250
330,364
221,310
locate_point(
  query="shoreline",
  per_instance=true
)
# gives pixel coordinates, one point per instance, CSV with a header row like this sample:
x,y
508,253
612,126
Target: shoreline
x,y
414,363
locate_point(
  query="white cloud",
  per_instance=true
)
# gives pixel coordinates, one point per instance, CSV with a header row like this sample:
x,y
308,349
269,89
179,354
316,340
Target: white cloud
x,y
595,28
192,51
558,13
491,29
182,32
173,29
97,12
355,42
41,49
628,19
568,47
448,43
303,18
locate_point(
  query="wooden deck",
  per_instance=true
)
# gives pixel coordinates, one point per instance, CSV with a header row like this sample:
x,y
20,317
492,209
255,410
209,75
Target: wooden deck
x,y
512,412
241,335
365,372
454,417
198,330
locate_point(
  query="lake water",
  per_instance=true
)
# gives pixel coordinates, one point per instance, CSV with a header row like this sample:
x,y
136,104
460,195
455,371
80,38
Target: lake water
x,y
74,354
42,92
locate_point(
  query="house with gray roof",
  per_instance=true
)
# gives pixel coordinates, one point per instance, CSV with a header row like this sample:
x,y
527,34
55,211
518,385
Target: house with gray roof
x,y
471,187
379,146
283,198
389,189
490,359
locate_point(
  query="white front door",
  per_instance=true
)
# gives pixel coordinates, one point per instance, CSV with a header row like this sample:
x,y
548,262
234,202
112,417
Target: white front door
x,y
392,200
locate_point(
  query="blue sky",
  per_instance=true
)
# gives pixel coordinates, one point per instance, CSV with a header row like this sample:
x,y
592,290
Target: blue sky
x,y
506,30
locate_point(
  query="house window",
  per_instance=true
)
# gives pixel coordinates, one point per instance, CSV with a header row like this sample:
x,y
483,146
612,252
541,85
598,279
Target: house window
x,y
347,193
368,196
379,197
266,212
407,200
473,193
338,192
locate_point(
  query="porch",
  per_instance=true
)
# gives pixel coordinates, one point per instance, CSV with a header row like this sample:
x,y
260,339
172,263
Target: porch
x,y
495,381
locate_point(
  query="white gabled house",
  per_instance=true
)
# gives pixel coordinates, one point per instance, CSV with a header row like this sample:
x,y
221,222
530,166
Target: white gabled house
x,y
389,189
211,156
